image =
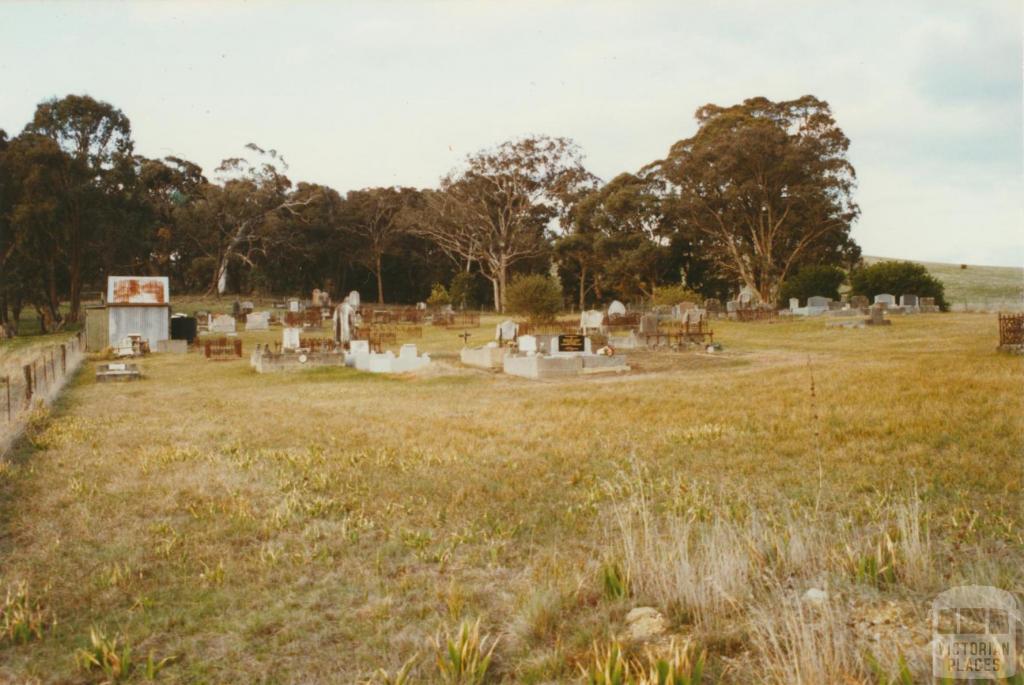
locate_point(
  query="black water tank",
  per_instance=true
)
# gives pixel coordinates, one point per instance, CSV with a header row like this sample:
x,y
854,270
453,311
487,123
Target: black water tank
x,y
184,328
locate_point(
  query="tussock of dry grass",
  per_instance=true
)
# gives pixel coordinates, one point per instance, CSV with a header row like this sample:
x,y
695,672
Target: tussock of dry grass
x,y
324,527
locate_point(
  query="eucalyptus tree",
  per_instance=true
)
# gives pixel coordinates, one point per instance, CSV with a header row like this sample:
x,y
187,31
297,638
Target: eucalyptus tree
x,y
497,210
97,136
765,187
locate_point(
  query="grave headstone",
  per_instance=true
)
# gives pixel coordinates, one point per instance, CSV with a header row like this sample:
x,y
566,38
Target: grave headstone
x,y
247,307
591,320
359,347
818,301
794,303
353,298
506,330
859,301
694,316
616,308
909,301
649,324
877,316
572,342
713,305
222,323
290,338
343,322
527,344
885,299
293,304
257,321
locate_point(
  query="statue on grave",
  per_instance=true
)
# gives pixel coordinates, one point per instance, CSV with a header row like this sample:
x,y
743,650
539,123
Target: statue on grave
x,y
344,323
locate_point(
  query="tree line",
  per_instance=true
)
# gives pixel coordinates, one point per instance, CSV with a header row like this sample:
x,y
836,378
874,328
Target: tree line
x,y
762,190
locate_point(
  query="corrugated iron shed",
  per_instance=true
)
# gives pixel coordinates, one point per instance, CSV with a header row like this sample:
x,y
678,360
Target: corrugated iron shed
x,y
138,305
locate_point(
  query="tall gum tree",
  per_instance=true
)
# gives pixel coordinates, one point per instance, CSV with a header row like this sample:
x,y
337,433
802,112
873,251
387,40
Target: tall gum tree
x,y
98,137
765,187
496,211
377,219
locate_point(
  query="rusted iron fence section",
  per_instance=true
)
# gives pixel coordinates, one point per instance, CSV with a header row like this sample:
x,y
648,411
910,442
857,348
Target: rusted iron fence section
x,y
35,379
1011,331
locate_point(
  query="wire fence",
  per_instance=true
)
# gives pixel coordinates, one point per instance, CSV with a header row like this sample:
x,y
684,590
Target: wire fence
x,y
34,379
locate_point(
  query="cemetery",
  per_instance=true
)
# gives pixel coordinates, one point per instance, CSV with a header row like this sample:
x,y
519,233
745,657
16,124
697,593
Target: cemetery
x,y
415,343
294,482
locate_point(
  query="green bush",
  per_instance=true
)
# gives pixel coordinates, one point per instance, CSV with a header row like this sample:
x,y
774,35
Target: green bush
x,y
674,294
810,281
537,297
898,278
463,291
438,296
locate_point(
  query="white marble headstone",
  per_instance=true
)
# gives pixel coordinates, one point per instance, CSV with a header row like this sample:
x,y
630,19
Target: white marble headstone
x,y
290,338
616,308
257,321
222,323
591,319
507,330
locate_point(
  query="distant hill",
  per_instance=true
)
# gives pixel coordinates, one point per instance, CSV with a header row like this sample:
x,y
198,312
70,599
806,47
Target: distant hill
x,y
976,287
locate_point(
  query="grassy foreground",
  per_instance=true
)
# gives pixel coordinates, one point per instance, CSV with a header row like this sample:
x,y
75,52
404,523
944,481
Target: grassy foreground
x,y
331,526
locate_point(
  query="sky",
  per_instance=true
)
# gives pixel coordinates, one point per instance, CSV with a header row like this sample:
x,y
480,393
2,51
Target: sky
x,y
364,94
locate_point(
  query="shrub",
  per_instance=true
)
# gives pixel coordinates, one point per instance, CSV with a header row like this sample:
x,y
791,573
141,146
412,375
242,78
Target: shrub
x,y
439,296
463,658
898,278
22,617
537,297
809,281
674,294
463,291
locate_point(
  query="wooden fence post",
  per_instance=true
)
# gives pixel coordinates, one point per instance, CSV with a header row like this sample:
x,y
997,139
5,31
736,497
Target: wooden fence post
x,y
28,384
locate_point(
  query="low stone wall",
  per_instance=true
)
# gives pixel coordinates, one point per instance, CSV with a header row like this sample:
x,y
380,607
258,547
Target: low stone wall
x,y
599,363
540,368
483,357
269,362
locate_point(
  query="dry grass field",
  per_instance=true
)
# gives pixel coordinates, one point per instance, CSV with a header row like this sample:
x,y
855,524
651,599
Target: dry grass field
x,y
211,525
